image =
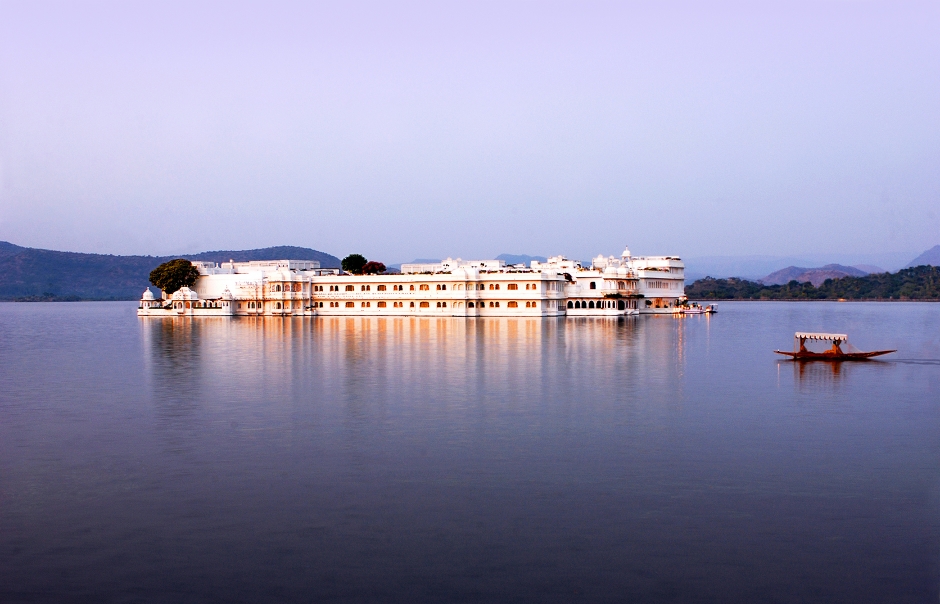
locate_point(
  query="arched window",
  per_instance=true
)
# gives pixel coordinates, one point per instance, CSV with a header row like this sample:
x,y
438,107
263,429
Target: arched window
x,y
512,304
593,285
381,304
491,304
350,305
591,304
443,304
350,288
438,304
425,305
470,305
497,305
424,287
570,304
513,286
380,288
412,305
535,305
277,306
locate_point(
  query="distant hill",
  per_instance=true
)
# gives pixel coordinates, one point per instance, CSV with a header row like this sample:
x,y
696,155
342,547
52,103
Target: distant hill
x,y
816,276
756,267
930,257
918,283
520,258
36,274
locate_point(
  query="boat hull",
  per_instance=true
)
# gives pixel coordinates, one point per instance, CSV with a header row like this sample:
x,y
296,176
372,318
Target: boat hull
x,y
833,356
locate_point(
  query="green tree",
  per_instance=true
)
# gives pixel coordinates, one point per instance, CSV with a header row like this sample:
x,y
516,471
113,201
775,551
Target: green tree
x,y
171,276
354,263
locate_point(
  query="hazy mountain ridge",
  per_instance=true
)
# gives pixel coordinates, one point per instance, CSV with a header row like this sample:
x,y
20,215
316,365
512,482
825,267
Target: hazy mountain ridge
x,y
31,273
816,276
930,257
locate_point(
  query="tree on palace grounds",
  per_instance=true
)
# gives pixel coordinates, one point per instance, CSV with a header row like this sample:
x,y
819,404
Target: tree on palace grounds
x,y
354,263
171,276
373,268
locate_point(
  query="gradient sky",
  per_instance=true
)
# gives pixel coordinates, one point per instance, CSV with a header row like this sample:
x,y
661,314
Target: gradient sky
x,y
403,130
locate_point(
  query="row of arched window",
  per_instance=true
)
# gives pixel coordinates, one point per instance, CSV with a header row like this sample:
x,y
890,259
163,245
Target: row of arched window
x,y
427,304
611,304
427,287
199,304
296,287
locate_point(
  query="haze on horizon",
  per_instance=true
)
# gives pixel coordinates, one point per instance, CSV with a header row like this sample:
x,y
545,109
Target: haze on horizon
x,y
403,130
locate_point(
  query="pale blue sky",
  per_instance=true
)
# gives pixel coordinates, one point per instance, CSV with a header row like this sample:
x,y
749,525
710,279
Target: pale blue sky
x,y
403,130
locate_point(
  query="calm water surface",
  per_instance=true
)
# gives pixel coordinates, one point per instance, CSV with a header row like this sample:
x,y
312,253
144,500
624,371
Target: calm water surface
x,y
491,460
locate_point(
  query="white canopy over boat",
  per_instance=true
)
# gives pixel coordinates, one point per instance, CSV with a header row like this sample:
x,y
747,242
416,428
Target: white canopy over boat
x,y
806,335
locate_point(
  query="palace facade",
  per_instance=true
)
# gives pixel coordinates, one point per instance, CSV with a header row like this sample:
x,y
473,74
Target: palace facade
x,y
610,286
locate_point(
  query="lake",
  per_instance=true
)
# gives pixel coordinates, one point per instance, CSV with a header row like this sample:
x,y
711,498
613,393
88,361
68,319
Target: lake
x,y
650,459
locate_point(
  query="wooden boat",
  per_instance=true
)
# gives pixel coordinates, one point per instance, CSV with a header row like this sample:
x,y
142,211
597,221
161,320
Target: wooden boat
x,y
835,353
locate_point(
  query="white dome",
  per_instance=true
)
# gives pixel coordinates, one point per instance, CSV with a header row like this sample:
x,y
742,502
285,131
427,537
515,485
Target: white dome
x,y
148,295
184,293
626,252
227,295
610,271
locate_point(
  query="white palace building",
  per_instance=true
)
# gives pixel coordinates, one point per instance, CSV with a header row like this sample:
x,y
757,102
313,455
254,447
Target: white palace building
x,y
611,286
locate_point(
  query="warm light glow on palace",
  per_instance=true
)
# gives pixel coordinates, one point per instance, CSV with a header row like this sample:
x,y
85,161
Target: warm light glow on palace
x,y
610,286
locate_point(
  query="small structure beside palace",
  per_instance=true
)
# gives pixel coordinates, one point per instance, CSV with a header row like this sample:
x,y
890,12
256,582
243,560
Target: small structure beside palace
x,y
610,286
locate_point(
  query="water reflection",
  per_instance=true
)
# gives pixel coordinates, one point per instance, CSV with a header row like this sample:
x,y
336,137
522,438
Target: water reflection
x,y
816,376
448,365
435,459
174,363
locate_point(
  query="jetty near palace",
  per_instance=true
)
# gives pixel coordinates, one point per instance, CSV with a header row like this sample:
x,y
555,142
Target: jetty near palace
x,y
610,286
